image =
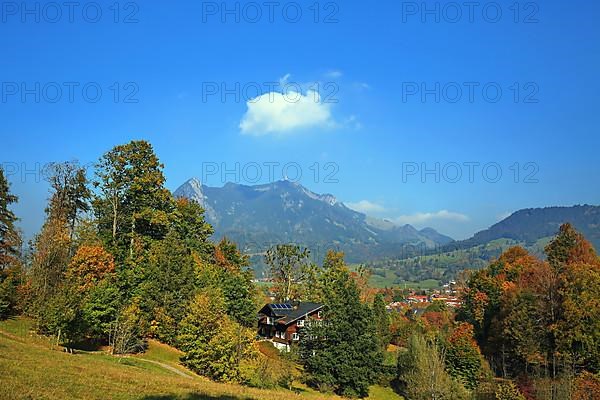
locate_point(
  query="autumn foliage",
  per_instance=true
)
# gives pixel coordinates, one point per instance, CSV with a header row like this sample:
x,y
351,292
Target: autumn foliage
x,y
90,265
538,317
587,387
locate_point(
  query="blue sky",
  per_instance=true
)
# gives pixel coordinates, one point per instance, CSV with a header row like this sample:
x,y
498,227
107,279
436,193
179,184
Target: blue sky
x,y
372,60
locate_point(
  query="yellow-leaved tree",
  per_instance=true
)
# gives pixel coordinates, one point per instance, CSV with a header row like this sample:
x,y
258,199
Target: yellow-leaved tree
x,y
215,346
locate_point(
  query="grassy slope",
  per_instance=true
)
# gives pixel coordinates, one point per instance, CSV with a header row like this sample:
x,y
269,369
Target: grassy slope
x,y
390,280
31,367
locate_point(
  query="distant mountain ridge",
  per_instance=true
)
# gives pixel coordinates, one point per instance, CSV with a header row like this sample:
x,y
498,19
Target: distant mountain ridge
x,y
530,228
532,224
259,216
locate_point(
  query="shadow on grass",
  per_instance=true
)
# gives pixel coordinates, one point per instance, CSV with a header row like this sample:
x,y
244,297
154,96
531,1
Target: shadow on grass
x,y
298,390
85,345
192,396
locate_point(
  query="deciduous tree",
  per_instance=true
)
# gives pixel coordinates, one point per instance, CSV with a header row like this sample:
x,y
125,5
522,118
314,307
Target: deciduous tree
x,y
89,266
214,345
133,203
192,228
126,332
463,359
71,193
288,265
422,373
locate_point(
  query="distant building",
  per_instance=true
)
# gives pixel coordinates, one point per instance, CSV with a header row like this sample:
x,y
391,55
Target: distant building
x,y
451,301
417,299
281,323
396,305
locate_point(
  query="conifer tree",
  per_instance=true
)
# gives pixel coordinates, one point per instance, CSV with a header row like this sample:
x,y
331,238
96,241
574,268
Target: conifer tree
x,y
344,353
10,243
382,322
9,237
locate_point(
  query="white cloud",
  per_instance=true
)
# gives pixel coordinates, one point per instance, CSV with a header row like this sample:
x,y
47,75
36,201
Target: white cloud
x,y
334,74
280,113
423,218
365,206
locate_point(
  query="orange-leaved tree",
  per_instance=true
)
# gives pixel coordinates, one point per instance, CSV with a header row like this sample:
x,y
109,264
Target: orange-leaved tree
x,y
90,265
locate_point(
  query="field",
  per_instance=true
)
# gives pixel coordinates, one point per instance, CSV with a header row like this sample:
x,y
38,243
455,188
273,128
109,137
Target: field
x,y
32,367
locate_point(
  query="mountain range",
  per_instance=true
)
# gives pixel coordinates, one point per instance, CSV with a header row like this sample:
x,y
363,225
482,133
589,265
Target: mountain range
x,y
257,217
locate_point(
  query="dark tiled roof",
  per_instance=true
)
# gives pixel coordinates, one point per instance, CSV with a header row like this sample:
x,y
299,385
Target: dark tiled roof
x,y
288,313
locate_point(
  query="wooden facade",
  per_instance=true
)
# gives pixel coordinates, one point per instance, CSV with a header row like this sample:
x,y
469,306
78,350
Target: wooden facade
x,y
281,323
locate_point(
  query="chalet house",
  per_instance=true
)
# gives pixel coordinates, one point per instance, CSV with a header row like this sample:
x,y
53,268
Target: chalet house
x,y
281,323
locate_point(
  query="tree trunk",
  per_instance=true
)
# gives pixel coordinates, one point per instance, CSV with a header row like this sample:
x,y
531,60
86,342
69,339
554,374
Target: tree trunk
x,y
114,224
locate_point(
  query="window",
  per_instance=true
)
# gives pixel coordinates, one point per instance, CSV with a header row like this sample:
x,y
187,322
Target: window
x,y
295,336
300,323
269,321
280,335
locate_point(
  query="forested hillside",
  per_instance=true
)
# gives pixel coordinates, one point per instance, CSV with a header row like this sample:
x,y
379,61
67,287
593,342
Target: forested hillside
x,y
529,225
529,228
